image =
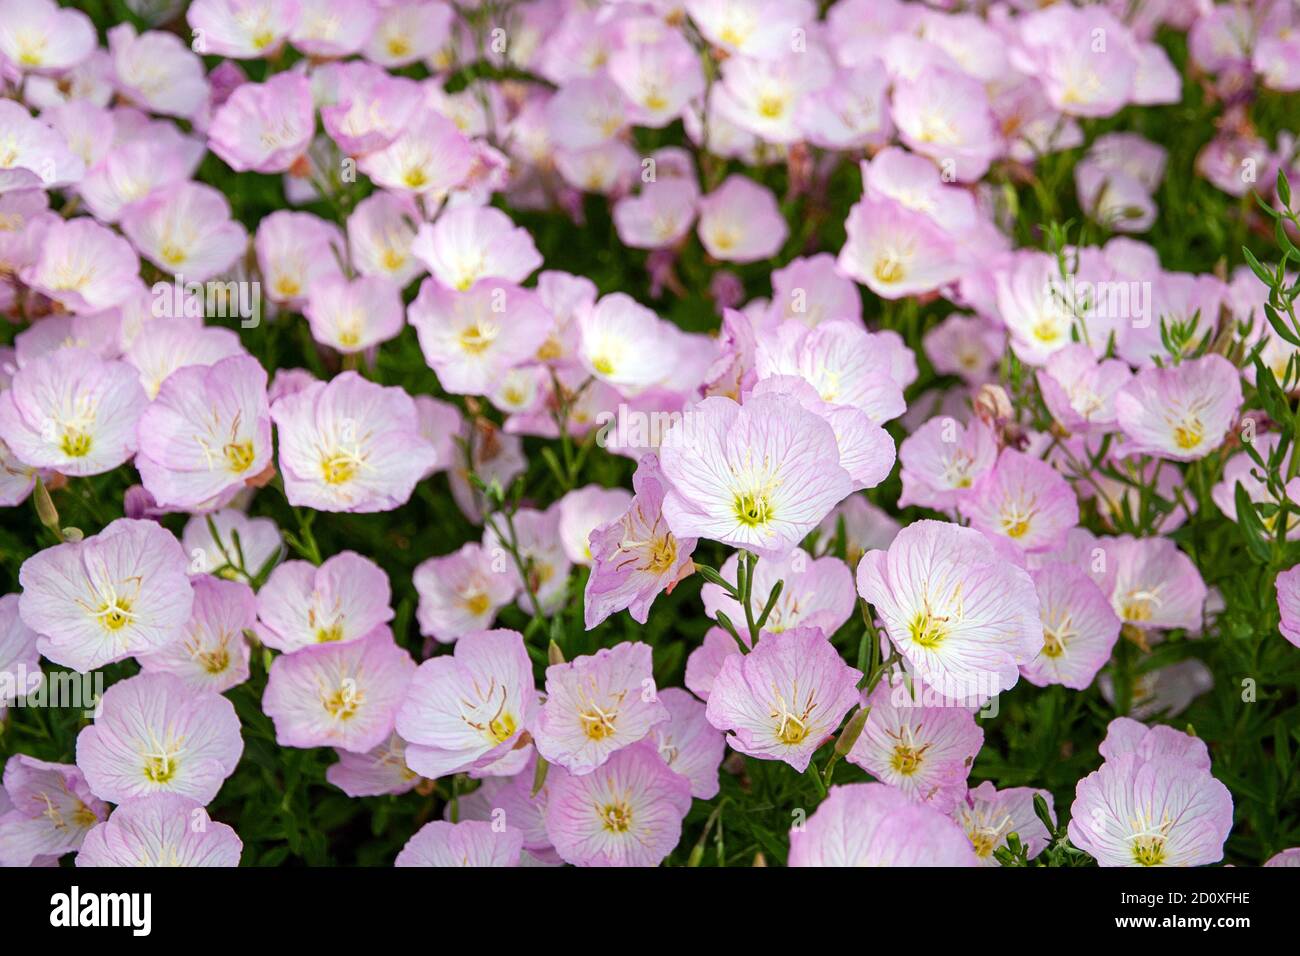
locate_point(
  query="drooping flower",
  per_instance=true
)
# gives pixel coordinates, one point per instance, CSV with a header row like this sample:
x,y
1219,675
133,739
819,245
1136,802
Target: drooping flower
x,y
758,476
206,434
785,698
464,711
1079,628
51,809
873,824
964,618
1151,584
468,843
153,734
596,705
212,653
471,338
164,829
1158,811
350,445
688,743
926,752
1023,501
123,591
989,815
583,511
626,812
1181,412
338,695
344,599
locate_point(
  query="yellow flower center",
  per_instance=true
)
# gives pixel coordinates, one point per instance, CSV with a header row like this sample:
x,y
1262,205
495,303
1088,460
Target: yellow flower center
x,y
330,634
906,760
927,630
75,443
662,554
616,817
752,509
1149,850
338,469
239,455
502,728
888,269
1189,433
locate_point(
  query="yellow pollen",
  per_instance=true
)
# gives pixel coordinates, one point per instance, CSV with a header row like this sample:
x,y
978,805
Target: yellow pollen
x,y
115,615
75,443
1189,433
597,724
1053,647
415,178
1149,850
502,728
330,634
477,603
239,456
287,287
263,39
392,259
752,509
603,365
172,254
476,340
906,760
398,46
771,106
343,703
662,554
888,270
791,730
338,469
159,769
616,817
927,630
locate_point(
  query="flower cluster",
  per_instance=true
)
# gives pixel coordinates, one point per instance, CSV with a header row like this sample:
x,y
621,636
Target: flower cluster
x,y
919,377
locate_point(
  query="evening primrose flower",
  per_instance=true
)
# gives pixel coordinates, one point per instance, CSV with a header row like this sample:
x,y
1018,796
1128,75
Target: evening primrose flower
x,y
1022,501
41,36
380,771
71,412
468,843
469,243
294,249
740,221
785,698
186,230
242,29
352,315
635,556
989,815
430,156
816,592
963,618
158,71
153,734
1151,583
688,743
1181,412
165,829
466,710
627,812
1079,628
625,344
1158,811
343,695
264,127
942,460
596,705
582,511
1287,586
350,445
206,434
212,652
926,752
84,266
461,592
302,605
896,251
873,824
50,810
774,474
241,548
123,591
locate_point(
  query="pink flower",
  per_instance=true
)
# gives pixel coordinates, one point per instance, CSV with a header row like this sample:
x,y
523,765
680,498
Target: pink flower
x,y
872,824
942,460
207,432
586,113
537,536
895,251
469,243
815,592
132,172
338,695
613,337
18,653
1181,412
468,843
379,771
369,106
264,127
1125,735
166,346
242,29
688,743
153,734
461,592
157,70
71,412
380,232
1289,857
1287,586
40,36
50,812
989,816
757,28
186,230
813,290
430,156
471,338
636,556
785,698
596,705
241,549
84,266
658,75
926,752
1079,391
627,812
345,599
968,346
1022,501
1086,60
740,221
1151,584
123,591
850,112
961,616
771,474
659,217
294,250
1156,811
37,155
332,28
407,32
354,315
164,829
212,653
1079,628
766,97
465,711
350,445
584,510
945,115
